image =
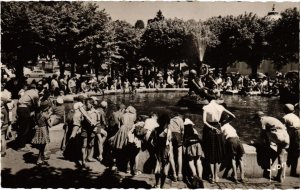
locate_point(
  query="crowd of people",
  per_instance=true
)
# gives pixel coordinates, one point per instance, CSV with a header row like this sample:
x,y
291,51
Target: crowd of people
x,y
214,81
93,130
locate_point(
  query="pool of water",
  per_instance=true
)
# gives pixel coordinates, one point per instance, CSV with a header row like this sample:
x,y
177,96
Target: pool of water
x,y
243,107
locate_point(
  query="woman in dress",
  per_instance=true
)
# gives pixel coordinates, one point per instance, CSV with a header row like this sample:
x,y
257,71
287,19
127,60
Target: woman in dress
x,y
42,137
213,140
119,140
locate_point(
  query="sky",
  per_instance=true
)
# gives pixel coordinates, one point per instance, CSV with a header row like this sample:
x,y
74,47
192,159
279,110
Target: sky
x,y
133,11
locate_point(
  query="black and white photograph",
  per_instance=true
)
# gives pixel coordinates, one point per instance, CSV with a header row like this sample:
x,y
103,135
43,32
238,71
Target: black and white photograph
x,y
150,94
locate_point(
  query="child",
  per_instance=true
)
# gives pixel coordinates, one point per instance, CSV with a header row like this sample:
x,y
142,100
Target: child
x,y
4,127
193,149
134,146
233,146
42,137
161,141
101,128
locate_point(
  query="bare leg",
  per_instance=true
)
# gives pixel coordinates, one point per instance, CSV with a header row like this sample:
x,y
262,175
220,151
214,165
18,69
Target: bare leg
x,y
233,162
241,166
157,173
212,171
281,162
172,162
164,173
84,152
100,146
216,169
199,167
41,153
180,163
192,167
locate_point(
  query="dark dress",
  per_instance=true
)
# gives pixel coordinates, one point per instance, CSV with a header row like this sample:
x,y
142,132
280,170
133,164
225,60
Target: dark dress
x,y
214,144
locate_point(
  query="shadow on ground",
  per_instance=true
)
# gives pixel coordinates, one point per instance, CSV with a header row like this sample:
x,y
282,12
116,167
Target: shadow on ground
x,y
50,177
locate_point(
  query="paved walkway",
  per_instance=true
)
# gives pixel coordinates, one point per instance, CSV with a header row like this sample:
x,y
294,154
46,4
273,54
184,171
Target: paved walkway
x,y
18,170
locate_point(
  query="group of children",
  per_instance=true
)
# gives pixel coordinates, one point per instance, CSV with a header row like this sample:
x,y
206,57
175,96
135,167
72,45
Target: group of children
x,y
173,142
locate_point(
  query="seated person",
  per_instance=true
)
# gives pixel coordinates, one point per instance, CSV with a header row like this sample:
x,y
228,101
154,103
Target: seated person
x,y
194,86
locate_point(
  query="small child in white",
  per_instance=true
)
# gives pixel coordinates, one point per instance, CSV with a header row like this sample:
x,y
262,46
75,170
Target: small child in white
x,y
233,146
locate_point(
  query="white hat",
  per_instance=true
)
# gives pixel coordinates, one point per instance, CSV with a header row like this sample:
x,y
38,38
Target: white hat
x,y
188,122
59,100
103,104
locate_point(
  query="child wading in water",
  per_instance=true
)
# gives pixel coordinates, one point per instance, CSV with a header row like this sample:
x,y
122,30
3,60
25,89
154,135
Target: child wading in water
x,y
233,146
42,137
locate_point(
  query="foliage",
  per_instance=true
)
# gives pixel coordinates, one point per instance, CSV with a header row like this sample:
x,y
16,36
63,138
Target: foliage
x,y
139,24
284,38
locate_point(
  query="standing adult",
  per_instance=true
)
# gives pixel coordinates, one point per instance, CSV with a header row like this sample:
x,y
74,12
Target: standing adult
x,y
213,140
54,85
27,105
292,122
275,135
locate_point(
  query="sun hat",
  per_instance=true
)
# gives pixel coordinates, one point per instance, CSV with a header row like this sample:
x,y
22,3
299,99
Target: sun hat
x,y
60,100
103,104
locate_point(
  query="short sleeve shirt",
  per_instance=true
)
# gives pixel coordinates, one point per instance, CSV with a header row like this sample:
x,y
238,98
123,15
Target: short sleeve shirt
x,y
214,111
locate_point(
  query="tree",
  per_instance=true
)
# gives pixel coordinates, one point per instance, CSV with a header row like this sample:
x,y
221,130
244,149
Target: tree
x,y
283,40
139,24
249,44
27,31
163,40
93,37
126,43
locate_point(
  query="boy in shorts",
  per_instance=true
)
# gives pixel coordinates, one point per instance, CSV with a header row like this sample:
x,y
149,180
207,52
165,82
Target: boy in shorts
x,y
233,147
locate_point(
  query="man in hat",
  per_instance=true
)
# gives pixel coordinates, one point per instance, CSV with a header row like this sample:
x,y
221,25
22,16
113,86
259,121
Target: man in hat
x,y
27,105
274,134
292,122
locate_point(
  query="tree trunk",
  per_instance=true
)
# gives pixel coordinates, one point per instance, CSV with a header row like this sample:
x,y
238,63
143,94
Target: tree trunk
x,y
20,70
72,69
61,68
97,71
254,70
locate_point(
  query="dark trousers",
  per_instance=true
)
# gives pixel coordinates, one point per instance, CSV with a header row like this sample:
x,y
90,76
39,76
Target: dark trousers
x,y
25,126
